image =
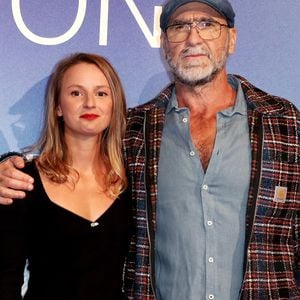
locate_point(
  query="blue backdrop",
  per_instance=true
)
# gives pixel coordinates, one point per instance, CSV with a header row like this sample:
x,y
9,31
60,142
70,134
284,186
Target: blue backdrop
x,y
35,34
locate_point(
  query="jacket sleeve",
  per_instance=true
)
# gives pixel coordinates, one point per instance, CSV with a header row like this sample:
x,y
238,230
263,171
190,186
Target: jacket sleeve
x,y
8,155
297,224
12,250
297,249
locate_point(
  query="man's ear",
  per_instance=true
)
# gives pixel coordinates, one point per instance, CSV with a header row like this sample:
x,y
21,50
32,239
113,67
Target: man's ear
x,y
232,40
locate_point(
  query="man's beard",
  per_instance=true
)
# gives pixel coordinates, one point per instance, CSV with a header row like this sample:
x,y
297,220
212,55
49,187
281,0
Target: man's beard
x,y
196,73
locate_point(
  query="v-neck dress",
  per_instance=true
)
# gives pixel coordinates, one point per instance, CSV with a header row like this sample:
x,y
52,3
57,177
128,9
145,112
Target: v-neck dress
x,y
69,257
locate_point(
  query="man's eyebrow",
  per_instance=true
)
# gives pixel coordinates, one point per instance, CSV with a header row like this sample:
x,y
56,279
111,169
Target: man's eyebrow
x,y
183,21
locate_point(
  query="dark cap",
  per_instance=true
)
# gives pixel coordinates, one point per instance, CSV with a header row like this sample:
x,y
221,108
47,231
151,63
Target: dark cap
x,y
223,7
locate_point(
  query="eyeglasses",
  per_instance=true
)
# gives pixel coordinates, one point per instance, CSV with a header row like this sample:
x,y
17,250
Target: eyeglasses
x,y
207,30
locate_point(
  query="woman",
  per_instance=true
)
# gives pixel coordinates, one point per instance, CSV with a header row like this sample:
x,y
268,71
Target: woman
x,y
73,227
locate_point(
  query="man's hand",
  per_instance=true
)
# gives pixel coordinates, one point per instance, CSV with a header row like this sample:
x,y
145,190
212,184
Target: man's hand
x,y
13,183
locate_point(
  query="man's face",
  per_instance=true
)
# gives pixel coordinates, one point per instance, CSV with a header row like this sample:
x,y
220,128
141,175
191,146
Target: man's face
x,y
197,61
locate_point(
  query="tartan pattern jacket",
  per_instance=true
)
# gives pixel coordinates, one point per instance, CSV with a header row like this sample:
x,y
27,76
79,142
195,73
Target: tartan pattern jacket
x,y
272,256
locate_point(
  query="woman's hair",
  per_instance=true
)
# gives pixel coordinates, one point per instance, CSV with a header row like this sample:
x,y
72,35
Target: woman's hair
x,y
55,160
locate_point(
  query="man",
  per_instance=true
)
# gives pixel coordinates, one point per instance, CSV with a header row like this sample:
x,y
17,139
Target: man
x,y
214,169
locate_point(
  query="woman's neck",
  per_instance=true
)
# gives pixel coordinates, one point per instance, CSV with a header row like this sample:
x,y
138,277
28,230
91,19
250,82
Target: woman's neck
x,y
84,153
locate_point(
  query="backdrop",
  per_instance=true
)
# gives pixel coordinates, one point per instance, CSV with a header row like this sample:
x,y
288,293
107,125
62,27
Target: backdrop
x,y
35,34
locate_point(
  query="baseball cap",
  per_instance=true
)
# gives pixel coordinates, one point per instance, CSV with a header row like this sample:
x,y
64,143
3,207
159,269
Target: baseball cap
x,y
223,7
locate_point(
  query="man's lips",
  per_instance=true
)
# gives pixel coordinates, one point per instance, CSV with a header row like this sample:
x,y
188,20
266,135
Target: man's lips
x,y
194,55
89,116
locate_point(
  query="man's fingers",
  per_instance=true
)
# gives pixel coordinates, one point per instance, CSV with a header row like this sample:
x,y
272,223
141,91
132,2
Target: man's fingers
x,y
15,179
17,161
13,182
10,177
9,186
5,201
7,195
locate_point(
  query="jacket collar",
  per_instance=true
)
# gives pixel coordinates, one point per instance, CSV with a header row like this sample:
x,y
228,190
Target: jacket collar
x,y
257,99
261,101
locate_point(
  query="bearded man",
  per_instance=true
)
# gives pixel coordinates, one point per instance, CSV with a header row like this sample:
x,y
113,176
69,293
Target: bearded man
x,y
213,165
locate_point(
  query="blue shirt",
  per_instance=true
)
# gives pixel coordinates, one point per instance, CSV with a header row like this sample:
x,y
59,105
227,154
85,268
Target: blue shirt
x,y
201,216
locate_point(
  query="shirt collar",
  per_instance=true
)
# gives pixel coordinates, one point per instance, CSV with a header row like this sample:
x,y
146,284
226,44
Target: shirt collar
x,y
240,106
173,103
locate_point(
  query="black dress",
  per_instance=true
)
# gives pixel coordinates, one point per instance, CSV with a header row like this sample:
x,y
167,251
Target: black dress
x,y
70,258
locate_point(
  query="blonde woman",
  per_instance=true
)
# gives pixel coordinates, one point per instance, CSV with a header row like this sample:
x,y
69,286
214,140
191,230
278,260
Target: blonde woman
x,y
73,226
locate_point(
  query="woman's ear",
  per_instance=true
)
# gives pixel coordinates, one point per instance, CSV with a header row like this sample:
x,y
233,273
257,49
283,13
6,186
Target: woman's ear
x,y
59,111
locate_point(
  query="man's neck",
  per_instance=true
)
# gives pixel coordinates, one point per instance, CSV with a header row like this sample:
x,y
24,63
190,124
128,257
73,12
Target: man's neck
x,y
208,99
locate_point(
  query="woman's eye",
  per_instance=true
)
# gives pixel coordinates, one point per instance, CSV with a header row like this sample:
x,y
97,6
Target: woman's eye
x,y
75,93
101,94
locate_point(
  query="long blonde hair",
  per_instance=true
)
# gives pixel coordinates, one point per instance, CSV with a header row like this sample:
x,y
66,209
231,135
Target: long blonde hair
x,y
54,160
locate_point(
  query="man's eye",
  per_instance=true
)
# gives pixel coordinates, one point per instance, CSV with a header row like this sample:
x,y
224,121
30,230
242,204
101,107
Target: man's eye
x,y
179,27
206,24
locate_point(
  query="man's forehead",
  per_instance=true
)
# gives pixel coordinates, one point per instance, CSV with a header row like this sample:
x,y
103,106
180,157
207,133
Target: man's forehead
x,y
189,10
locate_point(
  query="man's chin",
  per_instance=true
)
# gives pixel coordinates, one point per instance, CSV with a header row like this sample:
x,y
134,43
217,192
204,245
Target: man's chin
x,y
195,81
195,77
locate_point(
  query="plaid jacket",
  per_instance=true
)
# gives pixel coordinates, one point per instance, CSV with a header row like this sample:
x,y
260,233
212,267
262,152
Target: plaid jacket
x,y
272,256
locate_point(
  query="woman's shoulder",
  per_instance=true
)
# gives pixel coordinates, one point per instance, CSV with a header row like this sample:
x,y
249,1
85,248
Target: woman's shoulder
x,y
30,168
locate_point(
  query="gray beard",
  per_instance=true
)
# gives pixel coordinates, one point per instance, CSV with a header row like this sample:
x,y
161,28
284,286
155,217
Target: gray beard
x,y
197,82
182,76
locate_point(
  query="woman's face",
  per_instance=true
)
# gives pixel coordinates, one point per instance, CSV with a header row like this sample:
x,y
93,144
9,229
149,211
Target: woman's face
x,y
85,101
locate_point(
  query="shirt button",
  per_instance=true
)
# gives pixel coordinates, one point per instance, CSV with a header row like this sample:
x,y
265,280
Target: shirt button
x,y
209,223
192,153
184,120
205,187
211,296
211,259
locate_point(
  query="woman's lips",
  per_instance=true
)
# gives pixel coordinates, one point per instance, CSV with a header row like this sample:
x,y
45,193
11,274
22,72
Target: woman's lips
x,y
89,116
